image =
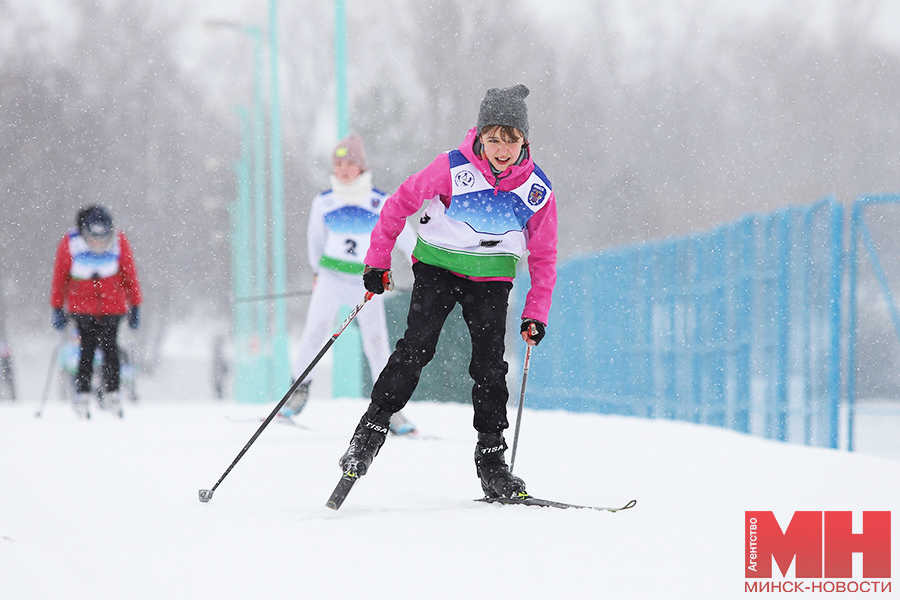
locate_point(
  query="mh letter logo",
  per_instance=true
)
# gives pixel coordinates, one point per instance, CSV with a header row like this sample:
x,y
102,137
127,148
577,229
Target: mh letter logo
x,y
822,543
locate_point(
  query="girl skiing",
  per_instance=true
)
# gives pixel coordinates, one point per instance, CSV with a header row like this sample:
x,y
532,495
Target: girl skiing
x,y
489,205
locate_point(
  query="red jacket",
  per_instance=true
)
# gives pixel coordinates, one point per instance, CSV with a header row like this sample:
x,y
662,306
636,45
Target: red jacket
x,y
90,284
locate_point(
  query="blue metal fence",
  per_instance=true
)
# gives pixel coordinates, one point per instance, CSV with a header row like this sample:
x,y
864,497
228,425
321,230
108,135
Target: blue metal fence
x,y
861,235
739,327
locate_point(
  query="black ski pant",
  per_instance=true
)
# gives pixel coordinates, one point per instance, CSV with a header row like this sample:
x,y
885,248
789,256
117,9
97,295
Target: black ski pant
x,y
484,307
98,331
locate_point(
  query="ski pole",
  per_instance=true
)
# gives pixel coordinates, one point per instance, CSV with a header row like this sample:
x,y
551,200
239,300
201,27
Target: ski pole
x,y
53,361
206,495
512,458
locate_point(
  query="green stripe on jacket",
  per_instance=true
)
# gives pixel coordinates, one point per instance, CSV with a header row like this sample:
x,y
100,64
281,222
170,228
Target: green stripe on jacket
x,y
472,264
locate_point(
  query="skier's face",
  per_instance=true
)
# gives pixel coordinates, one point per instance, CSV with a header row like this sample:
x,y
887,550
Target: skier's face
x,y
501,150
346,172
99,245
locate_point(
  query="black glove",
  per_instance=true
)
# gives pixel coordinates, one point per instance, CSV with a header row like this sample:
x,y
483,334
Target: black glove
x,y
59,319
378,281
533,330
134,317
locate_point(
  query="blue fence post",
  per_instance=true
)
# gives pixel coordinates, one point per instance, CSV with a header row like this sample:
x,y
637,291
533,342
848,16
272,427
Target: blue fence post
x,y
835,297
744,257
718,331
802,311
855,215
648,380
782,321
692,324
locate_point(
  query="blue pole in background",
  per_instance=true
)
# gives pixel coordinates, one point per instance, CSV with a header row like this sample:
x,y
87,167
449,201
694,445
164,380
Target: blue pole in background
x,y
340,69
279,374
246,380
782,322
855,215
259,342
837,276
347,376
252,346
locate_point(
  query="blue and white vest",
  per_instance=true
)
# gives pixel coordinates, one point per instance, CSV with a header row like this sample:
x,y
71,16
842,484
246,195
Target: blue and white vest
x,y
481,234
349,225
88,265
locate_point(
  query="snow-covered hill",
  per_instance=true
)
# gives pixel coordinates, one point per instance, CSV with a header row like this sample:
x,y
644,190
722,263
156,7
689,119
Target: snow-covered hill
x,y
108,509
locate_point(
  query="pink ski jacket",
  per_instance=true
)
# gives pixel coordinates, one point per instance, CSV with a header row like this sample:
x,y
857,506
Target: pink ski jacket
x,y
477,225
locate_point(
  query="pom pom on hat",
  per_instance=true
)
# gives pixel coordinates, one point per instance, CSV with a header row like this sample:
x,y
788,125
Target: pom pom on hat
x,y
504,107
350,149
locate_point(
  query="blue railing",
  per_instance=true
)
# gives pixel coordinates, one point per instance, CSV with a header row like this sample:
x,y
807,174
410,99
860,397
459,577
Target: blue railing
x,y
739,327
861,235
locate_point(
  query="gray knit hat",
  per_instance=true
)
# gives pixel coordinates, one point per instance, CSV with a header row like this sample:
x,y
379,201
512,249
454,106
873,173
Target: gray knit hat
x,y
504,107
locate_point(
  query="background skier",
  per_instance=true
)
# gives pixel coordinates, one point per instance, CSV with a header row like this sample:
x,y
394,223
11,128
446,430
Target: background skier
x,y
95,281
337,239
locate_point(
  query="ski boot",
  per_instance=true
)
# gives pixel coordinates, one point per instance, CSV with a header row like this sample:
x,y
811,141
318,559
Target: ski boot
x,y
400,425
113,404
296,402
82,402
496,479
366,441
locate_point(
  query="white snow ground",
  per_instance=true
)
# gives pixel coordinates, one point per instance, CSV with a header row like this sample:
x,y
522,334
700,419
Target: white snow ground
x,y
108,509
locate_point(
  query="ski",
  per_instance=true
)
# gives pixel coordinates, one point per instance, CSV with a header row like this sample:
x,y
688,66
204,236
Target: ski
x,y
341,490
532,501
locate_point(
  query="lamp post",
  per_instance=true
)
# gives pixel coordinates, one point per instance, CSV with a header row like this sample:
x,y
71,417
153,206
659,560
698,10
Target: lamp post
x,y
340,68
348,381
280,379
246,381
259,197
256,387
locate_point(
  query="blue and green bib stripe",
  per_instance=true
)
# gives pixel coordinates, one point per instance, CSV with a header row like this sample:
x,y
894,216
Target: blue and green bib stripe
x,y
342,266
481,233
355,222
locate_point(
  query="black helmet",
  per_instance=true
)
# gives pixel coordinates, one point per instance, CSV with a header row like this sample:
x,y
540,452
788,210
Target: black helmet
x,y
95,225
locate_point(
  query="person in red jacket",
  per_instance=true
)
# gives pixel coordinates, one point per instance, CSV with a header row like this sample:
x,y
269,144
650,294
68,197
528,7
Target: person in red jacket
x,y
95,281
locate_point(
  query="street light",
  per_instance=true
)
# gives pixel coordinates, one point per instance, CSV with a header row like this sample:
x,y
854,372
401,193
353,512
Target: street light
x,y
280,367
279,370
248,379
257,345
349,380
259,161
340,69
